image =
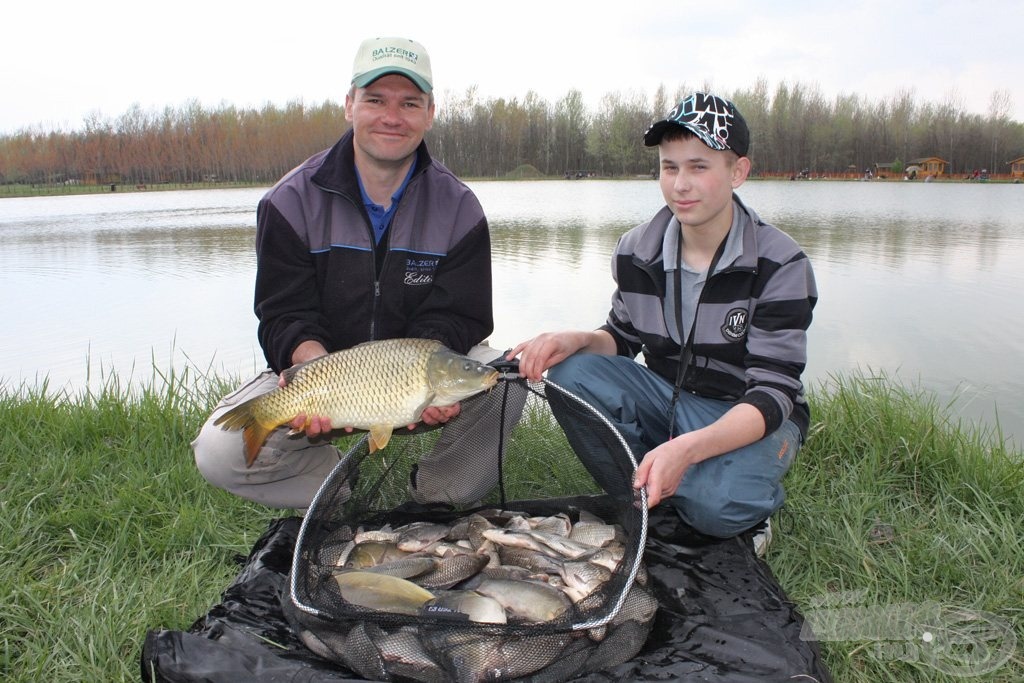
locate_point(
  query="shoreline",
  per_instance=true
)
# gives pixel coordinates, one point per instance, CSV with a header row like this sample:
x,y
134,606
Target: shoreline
x,y
19,191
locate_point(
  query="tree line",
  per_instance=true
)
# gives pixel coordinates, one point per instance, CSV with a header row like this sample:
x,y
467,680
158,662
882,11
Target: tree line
x,y
794,127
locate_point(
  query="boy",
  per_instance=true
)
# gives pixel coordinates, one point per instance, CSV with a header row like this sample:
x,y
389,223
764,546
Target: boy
x,y
719,303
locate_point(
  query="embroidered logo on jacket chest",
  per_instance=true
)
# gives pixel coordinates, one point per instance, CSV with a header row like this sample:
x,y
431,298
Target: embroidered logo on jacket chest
x,y
420,271
735,326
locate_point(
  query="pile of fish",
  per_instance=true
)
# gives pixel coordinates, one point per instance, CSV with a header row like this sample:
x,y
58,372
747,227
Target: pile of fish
x,y
518,574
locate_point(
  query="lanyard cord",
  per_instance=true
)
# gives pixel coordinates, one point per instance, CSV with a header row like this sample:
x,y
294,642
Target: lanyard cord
x,y
686,351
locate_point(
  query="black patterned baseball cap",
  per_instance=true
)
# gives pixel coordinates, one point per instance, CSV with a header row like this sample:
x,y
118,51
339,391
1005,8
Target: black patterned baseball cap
x,y
715,121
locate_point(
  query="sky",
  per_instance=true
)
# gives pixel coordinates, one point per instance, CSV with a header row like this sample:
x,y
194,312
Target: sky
x,y
64,61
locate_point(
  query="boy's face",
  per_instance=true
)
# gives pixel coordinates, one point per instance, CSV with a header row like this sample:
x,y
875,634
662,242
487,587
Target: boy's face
x,y
697,182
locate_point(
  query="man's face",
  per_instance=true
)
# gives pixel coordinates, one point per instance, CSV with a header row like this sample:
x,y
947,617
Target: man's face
x,y
697,182
389,118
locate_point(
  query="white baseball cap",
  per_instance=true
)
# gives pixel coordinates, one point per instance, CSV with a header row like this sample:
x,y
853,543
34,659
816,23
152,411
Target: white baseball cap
x,y
380,56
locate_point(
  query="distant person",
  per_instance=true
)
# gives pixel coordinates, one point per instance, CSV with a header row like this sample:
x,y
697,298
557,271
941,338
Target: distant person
x,y
370,239
719,303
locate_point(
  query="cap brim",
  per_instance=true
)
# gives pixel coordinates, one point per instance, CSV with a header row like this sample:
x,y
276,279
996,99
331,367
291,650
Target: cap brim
x,y
654,134
363,80
657,130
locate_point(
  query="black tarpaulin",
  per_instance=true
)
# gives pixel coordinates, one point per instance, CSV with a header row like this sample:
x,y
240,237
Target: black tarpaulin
x,y
722,617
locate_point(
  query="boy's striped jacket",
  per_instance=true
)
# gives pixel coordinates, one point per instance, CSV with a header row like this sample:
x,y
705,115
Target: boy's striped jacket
x,y
750,331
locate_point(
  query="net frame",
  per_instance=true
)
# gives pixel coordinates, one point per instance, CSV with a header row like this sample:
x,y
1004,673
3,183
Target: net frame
x,y
588,618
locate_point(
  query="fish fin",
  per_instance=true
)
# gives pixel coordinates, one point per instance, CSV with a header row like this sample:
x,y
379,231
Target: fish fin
x,y
379,436
254,435
289,373
238,417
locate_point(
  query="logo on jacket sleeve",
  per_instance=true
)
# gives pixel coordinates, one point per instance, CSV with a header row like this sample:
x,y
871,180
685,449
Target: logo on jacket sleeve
x,y
735,327
420,270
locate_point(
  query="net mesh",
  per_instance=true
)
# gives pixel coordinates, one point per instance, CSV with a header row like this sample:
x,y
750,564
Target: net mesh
x,y
522,568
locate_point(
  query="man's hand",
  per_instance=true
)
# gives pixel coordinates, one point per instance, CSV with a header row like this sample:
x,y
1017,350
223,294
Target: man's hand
x,y
434,415
318,424
307,351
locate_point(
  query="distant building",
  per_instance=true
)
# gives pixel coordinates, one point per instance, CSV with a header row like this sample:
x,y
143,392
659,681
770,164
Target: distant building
x,y
930,166
1017,168
883,170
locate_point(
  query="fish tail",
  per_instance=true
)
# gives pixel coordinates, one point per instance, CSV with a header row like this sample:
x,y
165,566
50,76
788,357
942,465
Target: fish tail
x,y
254,432
255,435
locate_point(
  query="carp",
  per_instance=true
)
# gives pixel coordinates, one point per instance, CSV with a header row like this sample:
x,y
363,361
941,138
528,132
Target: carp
x,y
376,386
382,592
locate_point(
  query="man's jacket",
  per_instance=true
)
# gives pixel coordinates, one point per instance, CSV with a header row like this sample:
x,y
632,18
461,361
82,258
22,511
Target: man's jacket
x,y
317,272
749,335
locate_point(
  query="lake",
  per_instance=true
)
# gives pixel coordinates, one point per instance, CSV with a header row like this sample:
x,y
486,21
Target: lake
x,y
917,281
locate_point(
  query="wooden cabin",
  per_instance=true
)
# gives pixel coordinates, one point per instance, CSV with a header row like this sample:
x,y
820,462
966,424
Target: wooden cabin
x,y
883,170
1017,168
930,166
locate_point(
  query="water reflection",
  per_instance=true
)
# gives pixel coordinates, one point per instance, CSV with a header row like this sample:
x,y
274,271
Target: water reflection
x,y
918,280
552,244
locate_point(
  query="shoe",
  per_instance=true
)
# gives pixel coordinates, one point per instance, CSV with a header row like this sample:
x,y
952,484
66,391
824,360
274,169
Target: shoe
x,y
763,538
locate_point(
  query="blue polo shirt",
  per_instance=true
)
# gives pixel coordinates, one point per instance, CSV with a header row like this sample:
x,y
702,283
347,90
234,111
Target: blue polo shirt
x,y
380,218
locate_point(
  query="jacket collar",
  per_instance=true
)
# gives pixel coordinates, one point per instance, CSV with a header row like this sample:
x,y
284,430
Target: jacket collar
x,y
337,171
648,252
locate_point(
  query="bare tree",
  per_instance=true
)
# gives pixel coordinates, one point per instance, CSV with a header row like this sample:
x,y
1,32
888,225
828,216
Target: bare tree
x,y
948,119
999,106
793,127
571,127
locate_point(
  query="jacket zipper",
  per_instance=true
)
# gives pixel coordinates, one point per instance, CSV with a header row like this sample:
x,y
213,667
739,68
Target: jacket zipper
x,y
375,277
376,299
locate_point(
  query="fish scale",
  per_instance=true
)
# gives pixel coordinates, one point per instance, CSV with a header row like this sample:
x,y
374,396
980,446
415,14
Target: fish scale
x,y
393,391
377,386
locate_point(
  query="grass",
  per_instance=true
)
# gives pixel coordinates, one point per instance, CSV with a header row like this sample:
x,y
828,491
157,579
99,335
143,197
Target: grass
x,y
107,530
890,506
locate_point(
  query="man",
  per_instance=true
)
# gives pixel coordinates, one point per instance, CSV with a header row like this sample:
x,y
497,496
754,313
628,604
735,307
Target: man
x,y
370,239
719,303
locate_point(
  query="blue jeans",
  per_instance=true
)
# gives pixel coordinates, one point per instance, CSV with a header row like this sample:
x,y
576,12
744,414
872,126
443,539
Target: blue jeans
x,y
721,496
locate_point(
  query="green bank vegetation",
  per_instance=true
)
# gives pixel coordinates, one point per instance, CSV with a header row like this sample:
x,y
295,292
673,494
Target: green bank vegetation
x,y
107,530
794,127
